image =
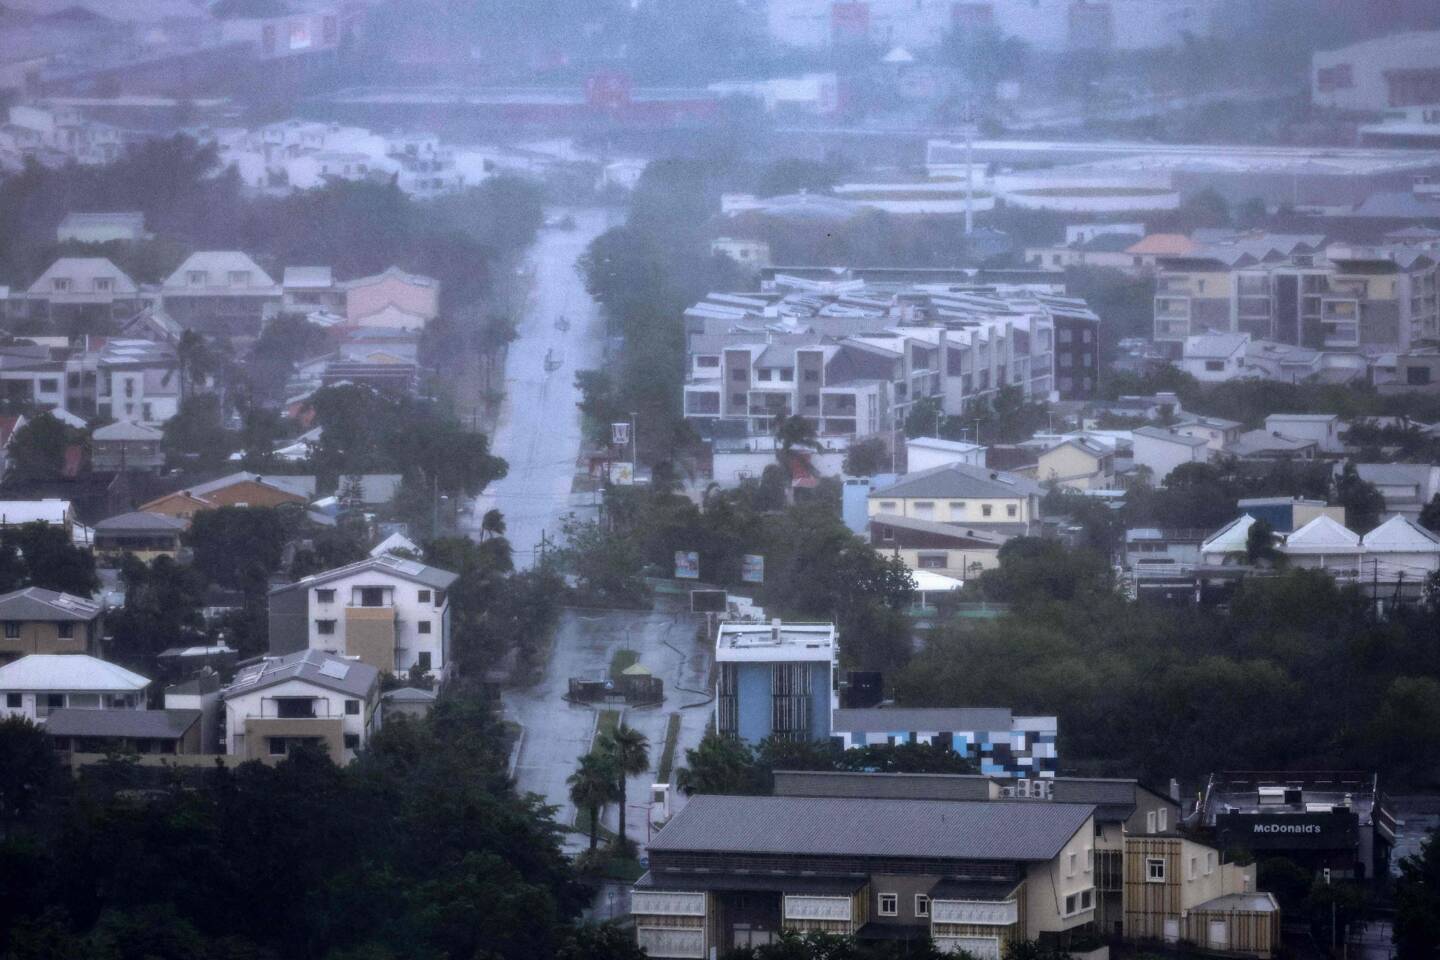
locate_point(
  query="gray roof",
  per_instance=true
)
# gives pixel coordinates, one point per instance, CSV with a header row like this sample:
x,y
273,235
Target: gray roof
x,y
1158,433
1259,902
300,486
140,521
849,827
1395,474
410,695
880,786
127,430
37,603
152,724
979,532
412,570
313,666
960,480
941,719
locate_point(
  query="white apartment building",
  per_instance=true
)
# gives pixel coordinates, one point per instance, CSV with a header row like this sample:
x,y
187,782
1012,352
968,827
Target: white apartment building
x,y
388,612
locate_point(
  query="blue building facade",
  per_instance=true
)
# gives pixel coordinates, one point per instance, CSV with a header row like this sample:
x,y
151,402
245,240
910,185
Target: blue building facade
x,y
998,743
775,680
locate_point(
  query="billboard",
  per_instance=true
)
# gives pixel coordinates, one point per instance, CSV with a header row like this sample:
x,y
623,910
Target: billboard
x,y
687,565
708,601
622,474
752,568
620,434
1319,830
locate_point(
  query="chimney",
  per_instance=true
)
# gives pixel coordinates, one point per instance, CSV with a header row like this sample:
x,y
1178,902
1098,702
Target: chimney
x,y
1174,789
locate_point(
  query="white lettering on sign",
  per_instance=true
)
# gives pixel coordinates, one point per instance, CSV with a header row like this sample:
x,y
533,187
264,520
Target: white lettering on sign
x,y
1287,828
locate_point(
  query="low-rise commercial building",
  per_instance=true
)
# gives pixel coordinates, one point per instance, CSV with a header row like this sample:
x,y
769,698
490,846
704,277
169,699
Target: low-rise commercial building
x,y
775,679
309,698
999,743
1336,821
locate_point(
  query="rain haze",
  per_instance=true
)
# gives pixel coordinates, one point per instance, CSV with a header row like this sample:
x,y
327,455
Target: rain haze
x,y
719,479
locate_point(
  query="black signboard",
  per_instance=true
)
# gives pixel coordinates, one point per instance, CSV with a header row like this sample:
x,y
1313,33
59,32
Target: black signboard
x,y
1321,830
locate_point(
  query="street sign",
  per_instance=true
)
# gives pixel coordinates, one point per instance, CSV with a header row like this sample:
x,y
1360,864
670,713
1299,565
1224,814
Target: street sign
x,y
687,565
620,434
752,568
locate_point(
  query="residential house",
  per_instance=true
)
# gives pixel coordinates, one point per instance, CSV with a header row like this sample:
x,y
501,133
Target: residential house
x,y
307,290
1400,550
101,227
1154,554
221,292
243,489
393,299
1406,487
1322,428
166,732
127,445
1266,445
1286,514
949,549
138,534
963,495
1216,357
1228,546
38,684
407,702
923,453
76,287
999,743
37,620
1077,463
1325,544
1161,449
386,611
775,679
1218,432
309,697
973,875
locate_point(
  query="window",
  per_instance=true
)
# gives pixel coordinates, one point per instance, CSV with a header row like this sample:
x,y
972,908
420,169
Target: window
x,y
1417,376
239,278
1194,868
423,596
50,385
1011,509
67,630
352,741
739,374
811,376
1087,899
933,561
196,278
352,708
1072,904
61,284
986,509
146,412
707,361
922,905
1209,863
889,904
54,701
422,659
326,628
324,596
295,708
12,629
1162,820
1215,366
1150,821
102,283
1089,859
13,700
887,534
423,626
372,596
1070,861
1154,869
787,373
957,506
887,506
764,373
277,746
129,387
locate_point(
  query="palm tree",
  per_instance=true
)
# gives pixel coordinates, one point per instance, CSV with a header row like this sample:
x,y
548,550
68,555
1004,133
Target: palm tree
x,y
194,358
791,432
492,524
629,750
592,785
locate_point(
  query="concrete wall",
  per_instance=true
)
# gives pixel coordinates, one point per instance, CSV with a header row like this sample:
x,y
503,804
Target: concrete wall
x,y
39,636
1048,884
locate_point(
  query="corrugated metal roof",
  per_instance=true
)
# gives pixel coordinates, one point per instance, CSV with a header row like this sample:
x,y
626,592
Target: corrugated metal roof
x,y
153,724
960,480
69,672
848,827
37,603
313,666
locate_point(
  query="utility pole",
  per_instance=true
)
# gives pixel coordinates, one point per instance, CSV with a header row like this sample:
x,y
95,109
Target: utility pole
x,y
540,549
969,169
634,446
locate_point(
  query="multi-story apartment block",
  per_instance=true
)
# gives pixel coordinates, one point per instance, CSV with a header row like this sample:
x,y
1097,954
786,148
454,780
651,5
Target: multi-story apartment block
x,y
221,292
775,679
853,356
307,698
1297,290
111,378
76,287
391,613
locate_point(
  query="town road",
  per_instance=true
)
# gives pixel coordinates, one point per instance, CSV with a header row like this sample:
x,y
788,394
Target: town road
x,y
538,431
557,733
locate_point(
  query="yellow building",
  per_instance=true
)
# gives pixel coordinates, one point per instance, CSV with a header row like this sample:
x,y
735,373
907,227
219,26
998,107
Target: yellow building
x,y
961,494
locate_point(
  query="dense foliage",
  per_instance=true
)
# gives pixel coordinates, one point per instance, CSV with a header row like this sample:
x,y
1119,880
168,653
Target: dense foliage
x,y
419,849
727,765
